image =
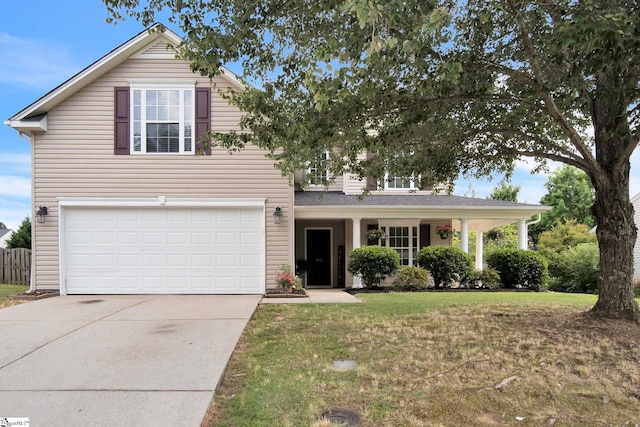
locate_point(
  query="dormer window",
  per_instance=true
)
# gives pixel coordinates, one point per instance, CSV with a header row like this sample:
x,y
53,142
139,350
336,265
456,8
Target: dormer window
x,y
318,171
399,183
162,119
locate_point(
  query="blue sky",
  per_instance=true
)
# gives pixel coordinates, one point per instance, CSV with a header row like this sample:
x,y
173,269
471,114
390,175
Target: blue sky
x,y
44,42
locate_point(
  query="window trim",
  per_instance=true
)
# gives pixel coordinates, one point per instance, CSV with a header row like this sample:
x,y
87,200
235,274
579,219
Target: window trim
x,y
413,237
387,180
309,172
162,85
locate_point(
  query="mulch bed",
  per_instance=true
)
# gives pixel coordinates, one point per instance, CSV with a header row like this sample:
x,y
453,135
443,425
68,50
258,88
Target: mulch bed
x,y
281,293
32,296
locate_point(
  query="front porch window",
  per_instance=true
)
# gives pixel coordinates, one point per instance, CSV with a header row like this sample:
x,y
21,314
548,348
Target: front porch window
x,y
404,239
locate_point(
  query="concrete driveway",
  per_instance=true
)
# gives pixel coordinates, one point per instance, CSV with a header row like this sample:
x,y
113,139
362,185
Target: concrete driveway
x,y
117,360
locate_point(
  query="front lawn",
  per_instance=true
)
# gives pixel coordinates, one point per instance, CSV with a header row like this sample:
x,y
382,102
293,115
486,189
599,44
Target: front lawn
x,y
431,359
9,290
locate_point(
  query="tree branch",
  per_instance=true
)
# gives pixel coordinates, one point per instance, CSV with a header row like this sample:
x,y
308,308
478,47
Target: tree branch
x,y
552,107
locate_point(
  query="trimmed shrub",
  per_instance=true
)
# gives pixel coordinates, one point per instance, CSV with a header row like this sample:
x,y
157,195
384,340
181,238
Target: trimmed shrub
x,y
373,264
485,279
490,279
519,268
576,270
446,264
410,278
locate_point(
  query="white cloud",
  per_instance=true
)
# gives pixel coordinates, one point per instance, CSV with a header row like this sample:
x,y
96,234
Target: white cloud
x,y
15,186
528,164
15,163
34,63
13,212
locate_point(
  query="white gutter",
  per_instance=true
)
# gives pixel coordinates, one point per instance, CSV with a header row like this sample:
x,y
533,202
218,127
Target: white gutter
x,y
534,221
24,136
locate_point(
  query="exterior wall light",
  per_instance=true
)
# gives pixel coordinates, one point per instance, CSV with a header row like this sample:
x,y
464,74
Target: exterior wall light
x,y
42,212
277,215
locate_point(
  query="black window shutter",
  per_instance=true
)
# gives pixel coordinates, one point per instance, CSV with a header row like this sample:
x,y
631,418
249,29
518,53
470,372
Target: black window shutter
x,y
121,120
371,183
425,235
203,117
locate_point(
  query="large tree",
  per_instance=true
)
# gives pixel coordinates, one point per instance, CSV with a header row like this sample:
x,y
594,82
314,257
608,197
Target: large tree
x,y
505,192
434,87
22,237
570,193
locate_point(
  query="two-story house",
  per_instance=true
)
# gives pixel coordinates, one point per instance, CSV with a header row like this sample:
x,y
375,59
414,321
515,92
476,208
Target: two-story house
x,y
126,206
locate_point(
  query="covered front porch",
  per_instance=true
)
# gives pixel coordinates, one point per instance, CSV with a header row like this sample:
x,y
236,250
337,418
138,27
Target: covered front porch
x,y
328,226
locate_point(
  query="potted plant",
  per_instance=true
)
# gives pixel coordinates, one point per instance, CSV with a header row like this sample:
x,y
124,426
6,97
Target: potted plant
x,y
287,280
444,231
376,234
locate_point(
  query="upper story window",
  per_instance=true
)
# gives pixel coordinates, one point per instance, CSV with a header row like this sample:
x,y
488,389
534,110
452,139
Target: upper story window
x,y
162,119
318,172
399,183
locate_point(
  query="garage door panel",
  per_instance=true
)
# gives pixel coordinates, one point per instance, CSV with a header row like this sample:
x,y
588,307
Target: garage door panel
x,y
177,238
152,237
201,238
163,250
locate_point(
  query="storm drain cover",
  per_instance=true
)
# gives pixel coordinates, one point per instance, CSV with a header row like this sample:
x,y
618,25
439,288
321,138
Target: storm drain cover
x,y
342,417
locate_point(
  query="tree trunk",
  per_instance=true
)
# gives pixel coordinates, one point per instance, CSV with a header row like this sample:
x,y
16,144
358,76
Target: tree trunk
x,y
616,239
612,208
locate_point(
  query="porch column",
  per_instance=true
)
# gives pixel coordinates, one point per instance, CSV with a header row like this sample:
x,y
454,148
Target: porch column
x,y
522,234
357,281
479,249
464,235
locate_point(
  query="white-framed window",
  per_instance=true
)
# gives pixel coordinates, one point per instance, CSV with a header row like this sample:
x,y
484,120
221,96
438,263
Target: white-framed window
x,y
162,118
318,171
403,237
399,183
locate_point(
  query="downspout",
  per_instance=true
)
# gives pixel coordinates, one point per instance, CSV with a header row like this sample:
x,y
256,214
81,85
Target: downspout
x,y
32,282
24,136
535,221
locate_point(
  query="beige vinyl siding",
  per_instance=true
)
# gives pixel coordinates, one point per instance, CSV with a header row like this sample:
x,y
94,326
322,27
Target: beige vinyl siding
x,y
74,158
336,185
353,185
636,249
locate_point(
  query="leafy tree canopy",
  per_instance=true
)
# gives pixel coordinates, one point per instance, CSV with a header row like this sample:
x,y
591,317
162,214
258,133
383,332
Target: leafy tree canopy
x,y
563,236
435,87
2,226
22,237
505,192
571,195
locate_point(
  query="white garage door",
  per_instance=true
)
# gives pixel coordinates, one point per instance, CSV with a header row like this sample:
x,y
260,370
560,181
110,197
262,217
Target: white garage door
x,y
160,250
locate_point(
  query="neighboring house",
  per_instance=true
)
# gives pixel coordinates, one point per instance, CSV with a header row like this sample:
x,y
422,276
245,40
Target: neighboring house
x,y
132,209
5,235
635,201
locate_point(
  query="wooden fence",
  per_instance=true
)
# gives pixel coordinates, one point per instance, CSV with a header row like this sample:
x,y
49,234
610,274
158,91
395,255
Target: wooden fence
x,y
15,266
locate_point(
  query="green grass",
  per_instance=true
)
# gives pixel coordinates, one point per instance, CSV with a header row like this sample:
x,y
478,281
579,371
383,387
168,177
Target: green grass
x,y
433,359
9,290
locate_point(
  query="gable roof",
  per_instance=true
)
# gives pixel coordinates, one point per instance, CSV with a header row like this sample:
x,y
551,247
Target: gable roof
x,y
4,231
33,117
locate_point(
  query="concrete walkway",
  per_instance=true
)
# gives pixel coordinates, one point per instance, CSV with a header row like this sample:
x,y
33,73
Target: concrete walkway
x,y
117,360
316,296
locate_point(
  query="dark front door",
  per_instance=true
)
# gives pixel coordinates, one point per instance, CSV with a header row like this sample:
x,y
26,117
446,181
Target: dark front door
x,y
319,257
